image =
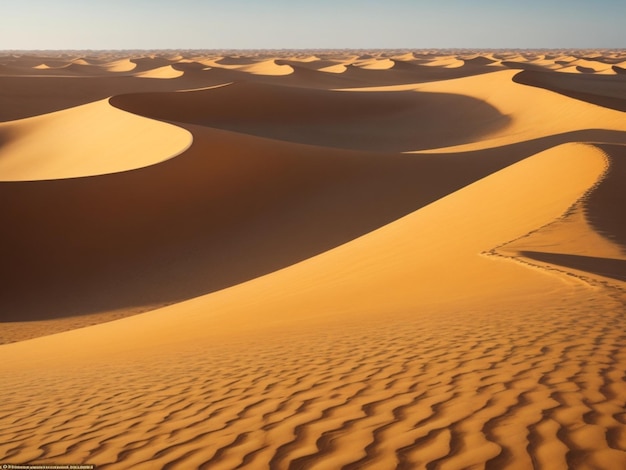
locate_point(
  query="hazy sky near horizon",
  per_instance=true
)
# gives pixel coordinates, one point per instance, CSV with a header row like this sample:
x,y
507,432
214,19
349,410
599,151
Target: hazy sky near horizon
x,y
296,24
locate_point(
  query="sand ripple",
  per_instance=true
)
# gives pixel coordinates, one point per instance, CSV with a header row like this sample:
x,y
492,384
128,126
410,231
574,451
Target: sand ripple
x,y
546,390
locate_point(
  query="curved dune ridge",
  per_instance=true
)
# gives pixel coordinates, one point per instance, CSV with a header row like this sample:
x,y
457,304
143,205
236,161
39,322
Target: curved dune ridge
x,y
91,139
383,259
362,121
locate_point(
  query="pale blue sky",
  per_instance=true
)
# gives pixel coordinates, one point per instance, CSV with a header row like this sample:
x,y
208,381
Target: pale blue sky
x,y
295,24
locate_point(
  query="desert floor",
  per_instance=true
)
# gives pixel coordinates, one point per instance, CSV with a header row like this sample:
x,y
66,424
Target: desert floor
x,y
322,259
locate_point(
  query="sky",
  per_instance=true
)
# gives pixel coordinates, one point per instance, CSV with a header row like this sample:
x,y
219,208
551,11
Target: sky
x,y
321,24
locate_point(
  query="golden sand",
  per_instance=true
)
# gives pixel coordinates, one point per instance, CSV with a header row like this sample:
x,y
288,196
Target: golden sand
x,y
321,260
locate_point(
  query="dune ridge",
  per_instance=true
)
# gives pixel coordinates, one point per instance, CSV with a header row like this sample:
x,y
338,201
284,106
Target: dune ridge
x,y
102,140
380,259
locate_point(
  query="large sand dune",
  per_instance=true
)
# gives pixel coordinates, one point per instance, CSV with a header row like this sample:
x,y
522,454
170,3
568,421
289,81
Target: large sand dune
x,y
328,260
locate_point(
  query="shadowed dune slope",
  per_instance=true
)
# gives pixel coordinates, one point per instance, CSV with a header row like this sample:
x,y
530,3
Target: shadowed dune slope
x,y
589,238
361,121
372,355
606,91
22,97
103,243
603,204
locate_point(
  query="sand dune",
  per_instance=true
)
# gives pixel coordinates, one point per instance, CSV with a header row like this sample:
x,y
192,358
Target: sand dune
x,y
121,65
362,121
181,207
236,61
375,64
446,61
479,60
381,259
315,64
533,112
92,139
609,92
268,67
338,68
28,96
167,71
150,63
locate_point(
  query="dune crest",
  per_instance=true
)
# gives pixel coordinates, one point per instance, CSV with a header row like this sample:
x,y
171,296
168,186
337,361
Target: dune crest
x,y
165,72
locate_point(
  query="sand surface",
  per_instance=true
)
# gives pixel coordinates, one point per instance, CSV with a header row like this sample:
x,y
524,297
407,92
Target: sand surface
x,y
320,259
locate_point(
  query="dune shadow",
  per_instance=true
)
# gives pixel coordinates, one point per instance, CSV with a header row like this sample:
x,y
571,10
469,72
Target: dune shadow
x,y
607,267
367,121
24,97
579,86
605,205
582,69
619,70
523,66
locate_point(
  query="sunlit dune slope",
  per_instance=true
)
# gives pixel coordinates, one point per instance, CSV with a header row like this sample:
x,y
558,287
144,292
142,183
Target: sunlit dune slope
x,y
270,67
531,111
88,140
167,71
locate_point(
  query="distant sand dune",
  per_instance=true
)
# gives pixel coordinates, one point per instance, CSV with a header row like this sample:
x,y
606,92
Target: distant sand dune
x,y
312,64
165,72
375,64
51,65
523,65
150,63
448,62
338,68
122,65
479,60
268,67
236,61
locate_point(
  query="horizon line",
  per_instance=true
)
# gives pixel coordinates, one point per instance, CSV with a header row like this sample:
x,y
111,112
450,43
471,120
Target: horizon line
x,y
186,49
